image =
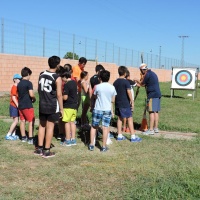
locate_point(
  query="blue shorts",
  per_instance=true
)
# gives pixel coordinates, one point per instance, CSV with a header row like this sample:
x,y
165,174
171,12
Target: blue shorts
x,y
13,111
153,105
98,115
123,112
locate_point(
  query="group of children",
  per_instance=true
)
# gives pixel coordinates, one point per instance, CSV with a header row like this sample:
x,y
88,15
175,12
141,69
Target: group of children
x,y
60,94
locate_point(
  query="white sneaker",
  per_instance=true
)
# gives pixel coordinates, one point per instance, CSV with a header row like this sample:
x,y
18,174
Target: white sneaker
x,y
156,130
148,132
109,141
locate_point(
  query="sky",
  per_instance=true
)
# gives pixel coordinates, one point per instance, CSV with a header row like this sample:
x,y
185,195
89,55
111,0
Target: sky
x,y
143,25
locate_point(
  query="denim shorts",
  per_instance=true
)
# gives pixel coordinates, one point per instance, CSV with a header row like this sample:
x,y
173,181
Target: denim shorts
x,y
123,112
153,105
104,116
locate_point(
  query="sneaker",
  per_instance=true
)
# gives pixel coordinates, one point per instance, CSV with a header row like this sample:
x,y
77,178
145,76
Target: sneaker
x,y
104,149
48,154
148,132
137,139
30,141
16,137
38,152
121,138
91,147
24,139
111,136
67,143
10,137
109,141
156,130
73,142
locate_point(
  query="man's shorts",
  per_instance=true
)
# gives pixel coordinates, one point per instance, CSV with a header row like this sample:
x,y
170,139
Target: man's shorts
x,y
54,117
14,112
69,115
153,105
104,116
123,112
27,114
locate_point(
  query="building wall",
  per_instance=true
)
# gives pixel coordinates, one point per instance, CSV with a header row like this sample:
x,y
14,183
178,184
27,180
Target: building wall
x,y
12,64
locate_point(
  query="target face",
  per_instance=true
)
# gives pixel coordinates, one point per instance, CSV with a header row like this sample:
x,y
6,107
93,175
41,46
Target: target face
x,y
183,78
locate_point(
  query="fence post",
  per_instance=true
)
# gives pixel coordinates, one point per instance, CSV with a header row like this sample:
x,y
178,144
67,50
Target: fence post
x,y
43,42
73,45
105,51
119,56
132,58
24,39
113,53
59,43
85,47
2,35
96,49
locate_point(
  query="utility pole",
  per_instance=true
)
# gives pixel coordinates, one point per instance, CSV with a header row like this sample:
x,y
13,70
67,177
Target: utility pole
x,y
182,51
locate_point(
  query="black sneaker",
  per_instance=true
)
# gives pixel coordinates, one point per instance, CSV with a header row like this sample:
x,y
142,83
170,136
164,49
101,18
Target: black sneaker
x,y
48,154
60,136
91,147
104,149
38,152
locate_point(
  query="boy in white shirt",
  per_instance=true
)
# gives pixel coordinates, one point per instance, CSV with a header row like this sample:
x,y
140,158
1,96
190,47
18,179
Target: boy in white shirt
x,y
104,95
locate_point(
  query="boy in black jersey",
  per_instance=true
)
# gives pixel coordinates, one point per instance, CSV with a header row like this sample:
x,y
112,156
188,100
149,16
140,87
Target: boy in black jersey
x,y
70,104
50,106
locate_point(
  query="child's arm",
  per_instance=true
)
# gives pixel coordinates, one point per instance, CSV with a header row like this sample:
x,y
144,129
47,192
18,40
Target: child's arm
x,y
112,103
65,97
59,94
31,94
131,99
14,98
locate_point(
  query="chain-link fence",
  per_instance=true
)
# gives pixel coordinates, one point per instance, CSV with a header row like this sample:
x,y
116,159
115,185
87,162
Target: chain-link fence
x,y
24,39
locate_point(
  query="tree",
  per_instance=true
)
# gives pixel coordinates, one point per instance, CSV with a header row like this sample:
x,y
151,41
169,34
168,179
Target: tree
x,y
69,55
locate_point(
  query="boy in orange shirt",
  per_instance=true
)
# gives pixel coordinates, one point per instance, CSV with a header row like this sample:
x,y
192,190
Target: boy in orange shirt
x,y
14,113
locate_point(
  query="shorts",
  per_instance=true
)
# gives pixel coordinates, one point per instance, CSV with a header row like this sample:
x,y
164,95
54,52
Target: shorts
x,y
54,117
14,112
27,114
69,115
98,115
123,112
85,100
153,105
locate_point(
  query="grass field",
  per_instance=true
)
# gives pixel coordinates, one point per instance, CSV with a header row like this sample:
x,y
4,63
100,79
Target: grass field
x,y
156,168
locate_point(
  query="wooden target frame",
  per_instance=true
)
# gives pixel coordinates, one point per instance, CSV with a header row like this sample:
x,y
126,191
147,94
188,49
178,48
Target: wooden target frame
x,y
184,79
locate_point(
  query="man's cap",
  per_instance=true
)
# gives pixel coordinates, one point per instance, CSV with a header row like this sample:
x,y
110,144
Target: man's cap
x,y
17,76
143,66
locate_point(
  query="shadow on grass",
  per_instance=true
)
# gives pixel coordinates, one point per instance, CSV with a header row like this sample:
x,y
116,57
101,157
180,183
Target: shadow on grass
x,y
169,96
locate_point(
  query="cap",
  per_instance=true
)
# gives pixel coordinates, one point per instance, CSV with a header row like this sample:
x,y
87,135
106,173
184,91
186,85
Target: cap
x,y
143,66
17,76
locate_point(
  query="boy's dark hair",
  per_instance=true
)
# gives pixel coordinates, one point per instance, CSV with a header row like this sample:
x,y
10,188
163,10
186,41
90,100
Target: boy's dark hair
x,y
99,68
67,66
53,62
59,70
104,75
122,70
82,60
127,74
83,74
25,72
67,73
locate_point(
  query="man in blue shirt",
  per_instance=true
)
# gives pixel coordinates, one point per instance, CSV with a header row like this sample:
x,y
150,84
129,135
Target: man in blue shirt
x,y
151,83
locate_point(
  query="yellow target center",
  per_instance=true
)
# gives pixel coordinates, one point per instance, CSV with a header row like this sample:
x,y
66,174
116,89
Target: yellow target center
x,y
183,78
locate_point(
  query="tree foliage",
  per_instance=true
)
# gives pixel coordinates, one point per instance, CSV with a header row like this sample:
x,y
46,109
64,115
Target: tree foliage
x,y
69,55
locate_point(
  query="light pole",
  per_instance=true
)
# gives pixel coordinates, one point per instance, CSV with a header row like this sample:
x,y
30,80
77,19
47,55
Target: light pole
x,y
182,52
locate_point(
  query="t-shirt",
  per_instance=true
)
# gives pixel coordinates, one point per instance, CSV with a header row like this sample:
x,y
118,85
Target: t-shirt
x,y
76,74
122,100
152,85
48,103
25,100
132,84
70,89
13,92
104,92
94,80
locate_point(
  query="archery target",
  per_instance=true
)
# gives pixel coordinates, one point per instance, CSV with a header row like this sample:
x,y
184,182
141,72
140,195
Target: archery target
x,y
183,78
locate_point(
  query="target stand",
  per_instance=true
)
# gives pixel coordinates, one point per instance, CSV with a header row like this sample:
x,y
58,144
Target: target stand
x,y
184,79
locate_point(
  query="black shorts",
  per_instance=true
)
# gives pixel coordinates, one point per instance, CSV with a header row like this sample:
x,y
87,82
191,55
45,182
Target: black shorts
x,y
54,117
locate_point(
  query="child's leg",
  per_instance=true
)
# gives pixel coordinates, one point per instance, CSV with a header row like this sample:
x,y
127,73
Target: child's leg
x,y
119,125
41,133
67,131
84,113
31,128
49,134
105,135
124,123
73,130
130,125
92,135
13,125
22,128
